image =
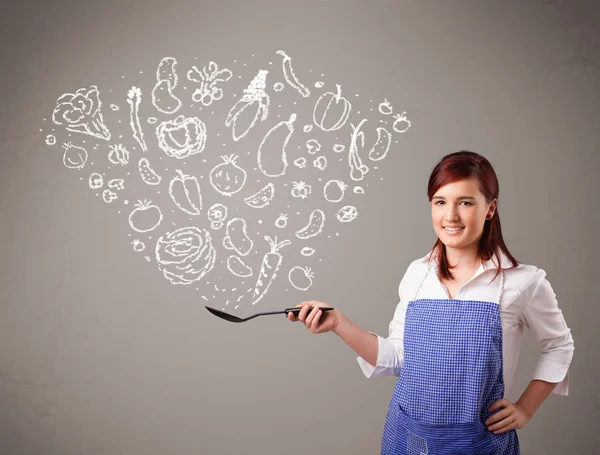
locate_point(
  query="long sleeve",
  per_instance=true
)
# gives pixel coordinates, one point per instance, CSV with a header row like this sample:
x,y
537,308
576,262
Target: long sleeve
x,y
390,353
546,321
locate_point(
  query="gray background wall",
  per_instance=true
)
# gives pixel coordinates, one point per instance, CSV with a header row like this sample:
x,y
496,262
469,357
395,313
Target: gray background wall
x,y
99,354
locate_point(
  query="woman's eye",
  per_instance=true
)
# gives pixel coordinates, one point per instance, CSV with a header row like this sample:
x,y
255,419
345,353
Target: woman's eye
x,y
466,202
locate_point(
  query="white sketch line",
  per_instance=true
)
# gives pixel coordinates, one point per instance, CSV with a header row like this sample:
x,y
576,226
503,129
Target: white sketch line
x,y
134,98
236,266
385,108
331,188
96,181
50,139
358,190
300,162
138,245
278,86
262,197
256,100
236,237
163,98
276,165
281,221
319,84
108,196
301,190
217,214
118,155
347,213
269,268
145,217
152,120
148,175
382,145
185,193
313,146
301,277
290,76
339,148
81,112
320,163
117,184
185,255
307,251
357,168
227,177
326,107
74,156
316,222
170,131
208,79
307,128
401,118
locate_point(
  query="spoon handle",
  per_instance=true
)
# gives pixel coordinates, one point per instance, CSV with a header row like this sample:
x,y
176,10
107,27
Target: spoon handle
x,y
297,310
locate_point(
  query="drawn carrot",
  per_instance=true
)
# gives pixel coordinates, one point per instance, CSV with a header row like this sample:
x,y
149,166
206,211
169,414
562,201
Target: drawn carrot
x,y
268,270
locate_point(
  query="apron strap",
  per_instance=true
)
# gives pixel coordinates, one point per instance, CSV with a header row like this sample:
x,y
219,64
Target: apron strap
x,y
422,281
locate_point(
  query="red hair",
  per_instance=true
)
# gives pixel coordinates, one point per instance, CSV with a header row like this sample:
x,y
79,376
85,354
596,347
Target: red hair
x,y
464,165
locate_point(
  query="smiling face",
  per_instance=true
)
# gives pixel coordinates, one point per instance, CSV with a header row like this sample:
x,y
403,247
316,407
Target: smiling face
x,y
458,212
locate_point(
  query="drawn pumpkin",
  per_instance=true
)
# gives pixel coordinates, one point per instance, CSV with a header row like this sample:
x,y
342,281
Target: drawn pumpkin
x,y
331,110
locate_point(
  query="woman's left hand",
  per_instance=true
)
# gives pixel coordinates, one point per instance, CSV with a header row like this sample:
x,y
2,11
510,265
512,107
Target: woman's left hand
x,y
512,417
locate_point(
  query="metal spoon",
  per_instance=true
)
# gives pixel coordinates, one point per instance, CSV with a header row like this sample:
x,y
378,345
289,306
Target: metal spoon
x,y
232,318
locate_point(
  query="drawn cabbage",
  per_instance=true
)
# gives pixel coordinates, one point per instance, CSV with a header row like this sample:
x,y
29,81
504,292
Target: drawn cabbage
x,y
80,111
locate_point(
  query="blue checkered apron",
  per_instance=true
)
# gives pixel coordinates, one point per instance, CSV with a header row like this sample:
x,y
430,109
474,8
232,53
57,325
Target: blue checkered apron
x,y
452,373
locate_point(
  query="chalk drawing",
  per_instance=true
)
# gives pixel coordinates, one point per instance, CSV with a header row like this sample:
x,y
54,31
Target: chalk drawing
x,y
217,214
334,190
301,277
290,76
185,255
385,107
382,145
228,178
134,98
163,98
300,162
357,168
236,266
96,181
331,110
339,148
254,104
301,190
74,156
116,184
148,175
281,221
274,161
269,267
278,86
108,196
185,193
401,118
358,190
262,197
138,245
320,163
170,132
50,139
316,222
145,217
347,213
313,146
236,237
307,251
81,113
118,155
209,78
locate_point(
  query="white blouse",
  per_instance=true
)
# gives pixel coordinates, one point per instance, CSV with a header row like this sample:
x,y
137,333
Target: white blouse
x,y
526,299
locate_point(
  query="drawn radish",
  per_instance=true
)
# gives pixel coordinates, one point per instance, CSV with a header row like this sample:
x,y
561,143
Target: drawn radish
x,y
268,270
74,157
401,118
334,190
301,277
274,166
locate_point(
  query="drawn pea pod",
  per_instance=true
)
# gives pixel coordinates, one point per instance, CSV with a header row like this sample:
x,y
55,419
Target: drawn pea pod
x,y
185,193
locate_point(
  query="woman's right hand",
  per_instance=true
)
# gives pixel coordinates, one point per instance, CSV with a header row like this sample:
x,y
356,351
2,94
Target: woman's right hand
x,y
315,320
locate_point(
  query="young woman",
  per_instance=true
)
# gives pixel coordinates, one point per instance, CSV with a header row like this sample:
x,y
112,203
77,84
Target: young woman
x,y
455,335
